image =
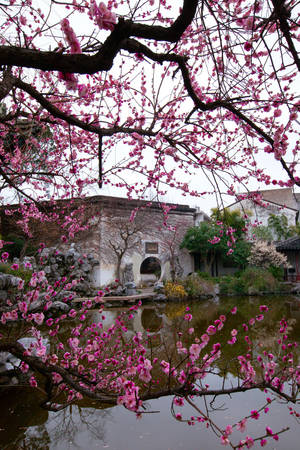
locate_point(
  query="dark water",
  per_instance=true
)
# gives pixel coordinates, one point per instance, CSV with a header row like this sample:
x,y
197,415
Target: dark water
x,y
88,425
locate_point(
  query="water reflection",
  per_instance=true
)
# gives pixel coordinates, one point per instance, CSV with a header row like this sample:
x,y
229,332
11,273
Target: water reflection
x,y
91,425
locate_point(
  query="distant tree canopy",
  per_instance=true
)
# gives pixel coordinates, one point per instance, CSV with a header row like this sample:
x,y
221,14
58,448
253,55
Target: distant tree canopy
x,y
224,236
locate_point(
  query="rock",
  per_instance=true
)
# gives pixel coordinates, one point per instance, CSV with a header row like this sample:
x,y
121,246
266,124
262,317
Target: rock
x,y
36,306
65,295
253,291
130,288
3,296
296,289
128,274
8,281
160,297
59,307
158,286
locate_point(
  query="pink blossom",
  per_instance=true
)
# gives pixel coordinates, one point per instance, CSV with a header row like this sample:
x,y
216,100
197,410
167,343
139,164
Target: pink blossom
x,y
215,240
241,426
255,414
32,382
247,46
277,113
38,318
104,18
263,442
228,430
56,377
194,351
15,266
211,330
249,442
224,440
23,20
188,317
234,310
263,308
23,307
24,367
182,377
260,317
178,401
41,351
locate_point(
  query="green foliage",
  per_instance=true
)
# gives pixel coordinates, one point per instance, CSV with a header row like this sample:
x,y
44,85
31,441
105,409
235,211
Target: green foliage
x,y
205,275
197,239
277,272
239,257
250,280
279,226
196,286
295,229
16,246
231,219
263,233
25,274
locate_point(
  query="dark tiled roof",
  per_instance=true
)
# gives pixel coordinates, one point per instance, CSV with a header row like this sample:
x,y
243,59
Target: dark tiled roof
x,y
292,243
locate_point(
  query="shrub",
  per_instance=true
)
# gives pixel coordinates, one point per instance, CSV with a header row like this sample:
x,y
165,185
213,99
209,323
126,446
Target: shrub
x,y
265,255
25,274
174,290
16,245
277,272
195,285
252,277
204,275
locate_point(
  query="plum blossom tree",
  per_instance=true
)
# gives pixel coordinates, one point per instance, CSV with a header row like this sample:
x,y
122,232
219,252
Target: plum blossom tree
x,y
197,86
171,92
264,254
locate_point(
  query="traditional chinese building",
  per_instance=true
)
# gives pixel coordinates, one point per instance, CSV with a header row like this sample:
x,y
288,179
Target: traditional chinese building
x,y
118,232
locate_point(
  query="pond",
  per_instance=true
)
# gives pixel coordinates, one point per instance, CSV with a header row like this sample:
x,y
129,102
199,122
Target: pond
x,y
88,424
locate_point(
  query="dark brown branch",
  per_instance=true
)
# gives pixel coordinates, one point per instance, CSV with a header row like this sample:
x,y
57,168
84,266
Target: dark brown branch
x,y
72,120
282,14
103,60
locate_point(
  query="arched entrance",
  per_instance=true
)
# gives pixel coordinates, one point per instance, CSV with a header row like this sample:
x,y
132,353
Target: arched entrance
x,y
150,269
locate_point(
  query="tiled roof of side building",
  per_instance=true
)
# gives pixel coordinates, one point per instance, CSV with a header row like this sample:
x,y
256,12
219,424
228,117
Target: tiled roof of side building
x,y
292,243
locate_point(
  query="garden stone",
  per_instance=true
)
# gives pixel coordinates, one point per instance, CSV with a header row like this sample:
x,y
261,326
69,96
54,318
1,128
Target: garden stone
x,y
128,274
36,306
130,288
7,281
253,291
47,269
296,289
3,296
58,306
158,286
69,295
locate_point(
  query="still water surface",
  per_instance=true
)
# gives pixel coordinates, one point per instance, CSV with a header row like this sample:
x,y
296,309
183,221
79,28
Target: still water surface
x,y
88,425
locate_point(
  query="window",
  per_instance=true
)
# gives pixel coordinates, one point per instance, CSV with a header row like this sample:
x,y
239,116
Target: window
x,y
152,247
